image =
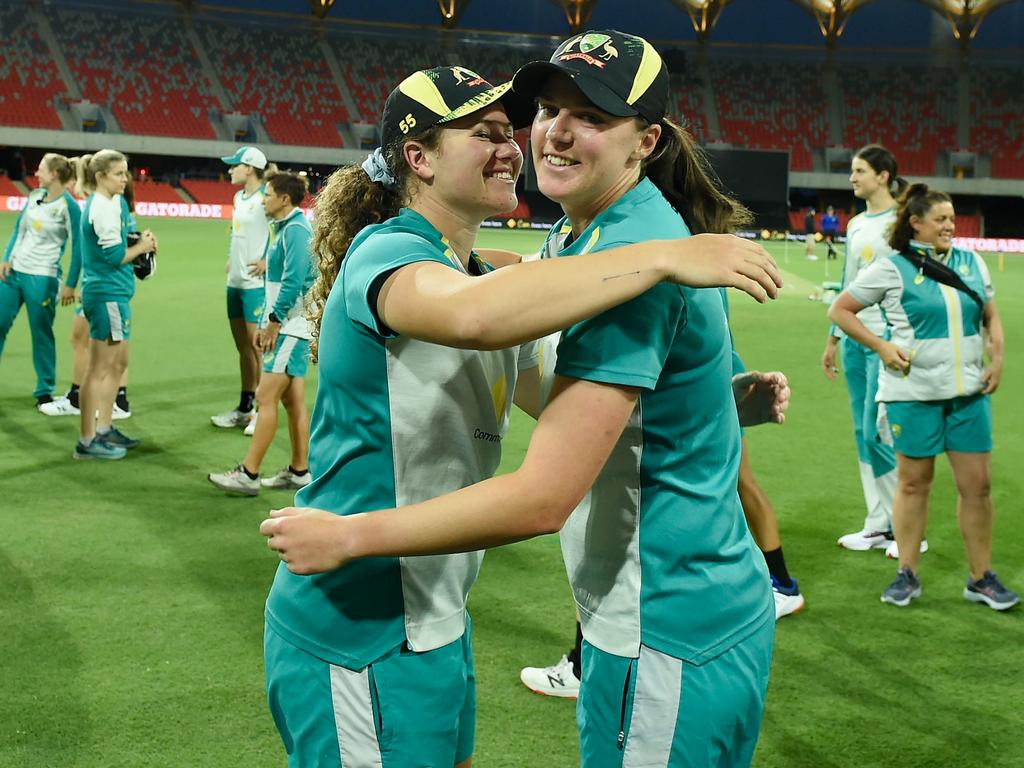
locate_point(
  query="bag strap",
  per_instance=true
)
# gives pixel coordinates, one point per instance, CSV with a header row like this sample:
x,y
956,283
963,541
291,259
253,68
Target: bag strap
x,y
942,273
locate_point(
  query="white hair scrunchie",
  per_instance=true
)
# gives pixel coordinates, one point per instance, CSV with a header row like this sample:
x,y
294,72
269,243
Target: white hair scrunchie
x,y
376,168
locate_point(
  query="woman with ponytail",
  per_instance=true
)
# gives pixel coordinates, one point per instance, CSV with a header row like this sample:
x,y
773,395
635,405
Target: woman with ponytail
x,y
403,416
107,290
30,271
875,179
934,385
640,407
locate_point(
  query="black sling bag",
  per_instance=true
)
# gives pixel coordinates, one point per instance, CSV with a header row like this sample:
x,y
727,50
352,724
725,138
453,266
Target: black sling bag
x,y
941,273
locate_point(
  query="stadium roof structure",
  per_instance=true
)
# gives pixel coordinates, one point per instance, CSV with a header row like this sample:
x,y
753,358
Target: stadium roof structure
x,y
911,24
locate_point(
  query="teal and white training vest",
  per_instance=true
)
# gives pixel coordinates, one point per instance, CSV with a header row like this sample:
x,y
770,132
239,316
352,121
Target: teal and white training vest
x,y
290,274
249,231
938,325
41,234
396,421
867,239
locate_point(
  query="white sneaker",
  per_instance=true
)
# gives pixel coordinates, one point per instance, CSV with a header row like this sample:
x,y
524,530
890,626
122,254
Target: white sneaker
x,y
893,552
287,479
236,481
787,599
59,406
862,541
232,419
250,430
120,413
558,680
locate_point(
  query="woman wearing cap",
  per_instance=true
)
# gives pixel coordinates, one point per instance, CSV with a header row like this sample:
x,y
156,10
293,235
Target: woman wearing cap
x,y
245,267
30,269
371,664
934,386
874,177
108,287
668,581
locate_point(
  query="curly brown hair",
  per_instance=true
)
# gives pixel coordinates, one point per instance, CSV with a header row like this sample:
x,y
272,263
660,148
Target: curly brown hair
x,y
348,202
916,200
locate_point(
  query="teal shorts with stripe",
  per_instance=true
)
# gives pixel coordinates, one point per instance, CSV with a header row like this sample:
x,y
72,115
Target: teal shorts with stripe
x,y
660,710
404,709
246,303
928,428
290,356
108,320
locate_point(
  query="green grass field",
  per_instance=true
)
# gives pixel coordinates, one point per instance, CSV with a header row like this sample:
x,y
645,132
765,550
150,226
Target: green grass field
x,y
132,592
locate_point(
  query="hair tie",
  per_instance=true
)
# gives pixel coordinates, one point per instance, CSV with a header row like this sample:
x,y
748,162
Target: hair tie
x,y
377,169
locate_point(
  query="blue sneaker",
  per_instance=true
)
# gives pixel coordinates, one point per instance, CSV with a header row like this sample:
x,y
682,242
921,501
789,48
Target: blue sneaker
x,y
119,438
991,591
905,588
99,449
787,599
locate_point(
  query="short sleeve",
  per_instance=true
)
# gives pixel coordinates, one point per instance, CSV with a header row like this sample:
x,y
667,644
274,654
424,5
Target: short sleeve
x,y
874,282
986,277
626,345
106,223
529,355
374,258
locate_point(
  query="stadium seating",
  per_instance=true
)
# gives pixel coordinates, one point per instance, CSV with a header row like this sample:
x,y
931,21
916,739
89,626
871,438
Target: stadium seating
x,y
279,76
218,192
142,69
771,105
30,84
155,192
907,108
996,129
7,187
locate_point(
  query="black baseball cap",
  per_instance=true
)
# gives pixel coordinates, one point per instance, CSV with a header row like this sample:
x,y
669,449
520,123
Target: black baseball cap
x,y
620,74
436,96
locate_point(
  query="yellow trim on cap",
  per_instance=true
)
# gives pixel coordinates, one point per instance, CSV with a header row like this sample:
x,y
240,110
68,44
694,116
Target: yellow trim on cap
x,y
419,87
481,100
650,66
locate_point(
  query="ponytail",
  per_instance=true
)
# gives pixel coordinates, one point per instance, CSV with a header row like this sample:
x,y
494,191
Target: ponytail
x,y
265,173
881,159
348,202
916,200
680,169
89,165
60,166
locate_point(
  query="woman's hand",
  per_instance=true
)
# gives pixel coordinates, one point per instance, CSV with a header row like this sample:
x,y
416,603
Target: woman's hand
x,y
67,296
257,268
5,269
894,357
992,375
717,261
761,397
828,358
307,540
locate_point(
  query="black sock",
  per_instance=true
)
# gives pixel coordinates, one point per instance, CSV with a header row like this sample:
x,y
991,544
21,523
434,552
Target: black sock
x,y
295,471
122,399
246,401
777,567
73,394
44,399
575,655
249,474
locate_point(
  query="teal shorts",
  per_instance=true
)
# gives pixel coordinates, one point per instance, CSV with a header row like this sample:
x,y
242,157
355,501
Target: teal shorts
x,y
660,710
405,709
246,303
290,356
930,427
108,320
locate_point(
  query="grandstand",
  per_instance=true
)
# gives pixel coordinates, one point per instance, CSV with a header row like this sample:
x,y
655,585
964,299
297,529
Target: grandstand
x,y
200,77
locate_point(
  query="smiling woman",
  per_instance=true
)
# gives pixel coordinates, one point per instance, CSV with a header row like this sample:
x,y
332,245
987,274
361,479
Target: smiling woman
x,y
415,335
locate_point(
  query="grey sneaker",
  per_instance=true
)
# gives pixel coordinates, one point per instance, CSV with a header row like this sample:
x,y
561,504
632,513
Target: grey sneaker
x,y
99,449
231,419
904,589
990,591
287,479
119,438
236,481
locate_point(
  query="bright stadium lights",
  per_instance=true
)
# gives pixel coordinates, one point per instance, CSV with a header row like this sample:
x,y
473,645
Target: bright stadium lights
x,y
832,15
451,10
964,16
321,8
703,14
577,12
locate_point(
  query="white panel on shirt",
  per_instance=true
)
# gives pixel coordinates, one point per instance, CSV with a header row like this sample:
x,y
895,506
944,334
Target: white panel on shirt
x,y
105,219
